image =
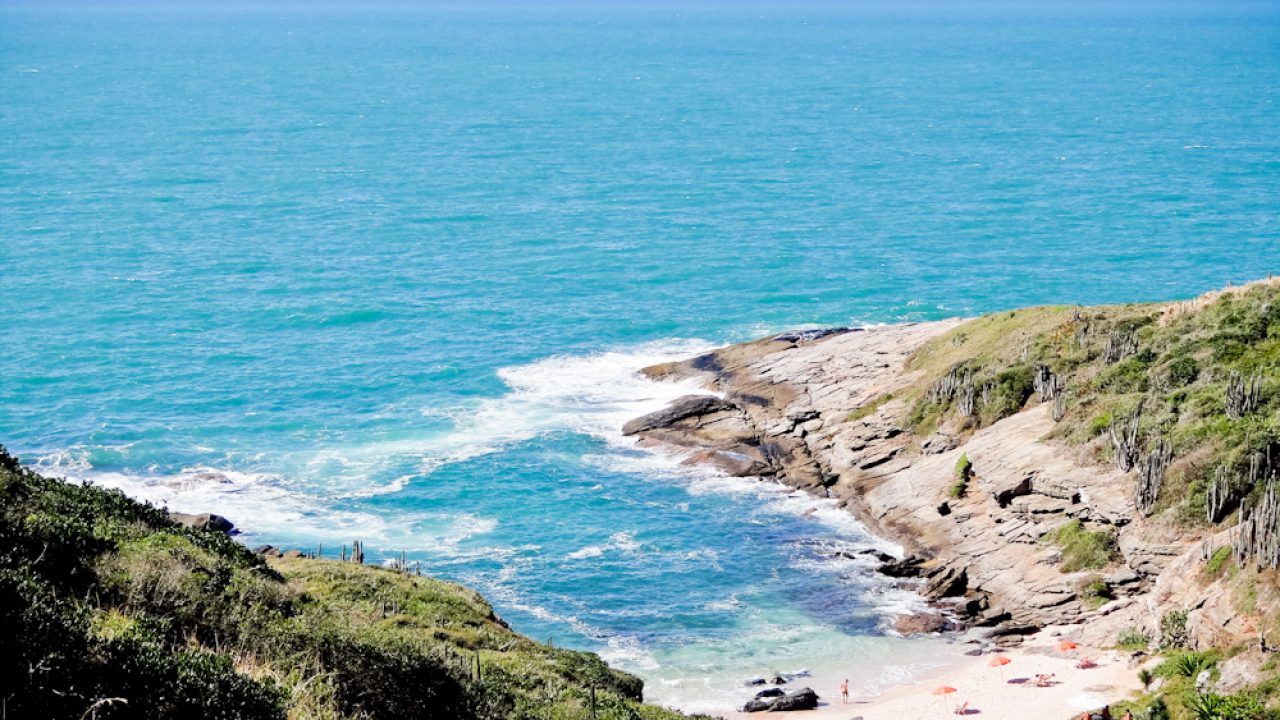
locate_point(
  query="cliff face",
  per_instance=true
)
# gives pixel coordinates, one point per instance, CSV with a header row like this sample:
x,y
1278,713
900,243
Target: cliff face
x,y
1009,519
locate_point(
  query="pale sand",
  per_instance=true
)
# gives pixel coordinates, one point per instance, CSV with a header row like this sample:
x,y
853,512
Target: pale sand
x,y
988,691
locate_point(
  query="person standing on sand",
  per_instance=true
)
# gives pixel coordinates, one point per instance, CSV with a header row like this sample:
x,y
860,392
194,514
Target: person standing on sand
x,y
844,692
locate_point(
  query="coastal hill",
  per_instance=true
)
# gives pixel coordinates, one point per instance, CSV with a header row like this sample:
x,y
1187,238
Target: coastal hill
x,y
110,609
1108,470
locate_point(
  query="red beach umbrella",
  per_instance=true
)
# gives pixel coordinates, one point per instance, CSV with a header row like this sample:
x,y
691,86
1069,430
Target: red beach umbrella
x,y
999,662
944,691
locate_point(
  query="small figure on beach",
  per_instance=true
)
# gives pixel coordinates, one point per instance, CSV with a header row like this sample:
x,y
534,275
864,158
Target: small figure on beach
x,y
1106,712
844,692
1128,715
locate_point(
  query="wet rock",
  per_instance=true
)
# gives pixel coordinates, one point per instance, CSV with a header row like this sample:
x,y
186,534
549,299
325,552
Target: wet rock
x,y
922,624
908,567
203,521
801,699
771,692
755,681
685,407
743,461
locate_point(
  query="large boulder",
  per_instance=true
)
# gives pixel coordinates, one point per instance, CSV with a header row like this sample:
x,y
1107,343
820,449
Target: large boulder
x,y
802,699
203,521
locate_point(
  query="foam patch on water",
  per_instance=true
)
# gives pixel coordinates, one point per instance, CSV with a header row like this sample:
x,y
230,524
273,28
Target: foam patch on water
x,y
592,394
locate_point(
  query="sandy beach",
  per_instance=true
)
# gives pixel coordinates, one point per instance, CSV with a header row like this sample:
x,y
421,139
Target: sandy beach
x,y
995,693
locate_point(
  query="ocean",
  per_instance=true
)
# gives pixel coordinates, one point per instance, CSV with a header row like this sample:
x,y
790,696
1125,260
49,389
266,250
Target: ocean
x,y
387,272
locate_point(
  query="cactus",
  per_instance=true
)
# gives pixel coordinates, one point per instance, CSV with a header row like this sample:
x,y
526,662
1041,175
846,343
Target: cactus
x,y
1047,384
1257,539
1125,440
357,552
1243,394
1221,494
1151,478
951,384
1120,345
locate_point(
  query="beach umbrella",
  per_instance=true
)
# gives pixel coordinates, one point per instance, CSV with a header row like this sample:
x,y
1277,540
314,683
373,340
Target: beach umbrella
x,y
998,662
944,691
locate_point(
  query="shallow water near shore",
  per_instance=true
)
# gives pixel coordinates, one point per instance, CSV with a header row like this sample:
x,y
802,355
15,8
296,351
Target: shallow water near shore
x,y
388,274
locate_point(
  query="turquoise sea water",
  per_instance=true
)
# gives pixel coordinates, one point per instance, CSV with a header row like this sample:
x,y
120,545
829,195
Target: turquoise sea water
x,y
386,273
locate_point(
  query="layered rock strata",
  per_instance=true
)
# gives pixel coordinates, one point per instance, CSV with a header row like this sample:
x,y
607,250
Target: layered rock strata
x,y
822,412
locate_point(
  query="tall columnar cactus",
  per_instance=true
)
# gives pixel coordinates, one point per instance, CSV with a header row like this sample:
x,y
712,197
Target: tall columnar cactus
x,y
1047,383
1220,495
1120,345
1151,477
1257,539
1059,406
1124,438
950,385
1243,394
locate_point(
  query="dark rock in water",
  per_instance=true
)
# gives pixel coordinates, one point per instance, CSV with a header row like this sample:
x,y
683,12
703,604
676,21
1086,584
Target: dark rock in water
x,y
804,336
882,557
203,521
802,699
907,567
684,407
737,464
755,681
778,680
267,551
771,692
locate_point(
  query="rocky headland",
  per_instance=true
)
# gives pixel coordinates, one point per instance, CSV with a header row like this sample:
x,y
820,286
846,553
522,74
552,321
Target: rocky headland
x,y
1044,467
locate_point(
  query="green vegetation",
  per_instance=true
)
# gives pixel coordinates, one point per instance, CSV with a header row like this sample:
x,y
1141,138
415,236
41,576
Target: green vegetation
x,y
1213,567
1207,373
870,408
1133,639
1173,630
1096,592
1084,549
109,610
964,471
1181,697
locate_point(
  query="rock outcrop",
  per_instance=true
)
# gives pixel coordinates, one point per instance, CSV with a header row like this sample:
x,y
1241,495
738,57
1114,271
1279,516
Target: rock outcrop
x,y
776,700
204,521
823,413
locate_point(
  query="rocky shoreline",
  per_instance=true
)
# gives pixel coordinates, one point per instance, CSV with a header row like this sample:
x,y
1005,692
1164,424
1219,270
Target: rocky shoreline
x,y
821,411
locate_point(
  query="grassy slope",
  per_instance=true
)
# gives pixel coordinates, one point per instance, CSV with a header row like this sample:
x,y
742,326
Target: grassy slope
x,y
1184,359
107,605
1182,365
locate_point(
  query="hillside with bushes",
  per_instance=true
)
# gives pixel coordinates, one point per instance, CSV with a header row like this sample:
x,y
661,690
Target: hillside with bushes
x,y
110,610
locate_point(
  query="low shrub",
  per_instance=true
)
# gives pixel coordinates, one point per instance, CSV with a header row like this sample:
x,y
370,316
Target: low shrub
x,y
1084,549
